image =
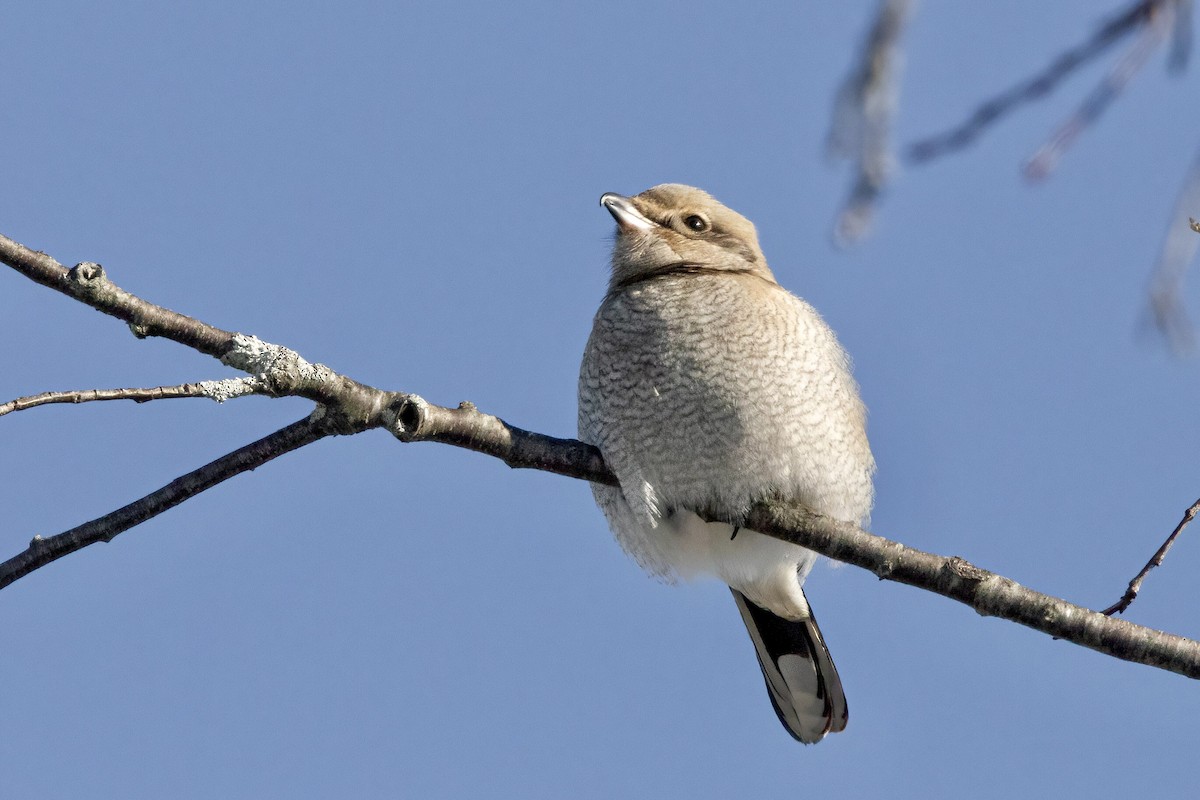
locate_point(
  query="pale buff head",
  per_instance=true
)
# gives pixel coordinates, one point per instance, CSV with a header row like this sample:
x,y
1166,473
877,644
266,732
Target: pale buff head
x,y
672,224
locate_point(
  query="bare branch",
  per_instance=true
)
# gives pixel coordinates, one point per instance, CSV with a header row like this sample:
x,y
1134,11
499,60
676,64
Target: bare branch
x,y
412,419
1038,86
1135,585
349,407
42,551
862,117
1175,257
220,391
1154,32
87,283
282,371
986,592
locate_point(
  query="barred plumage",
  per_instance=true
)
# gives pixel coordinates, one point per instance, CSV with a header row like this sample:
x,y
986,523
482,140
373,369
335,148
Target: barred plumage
x,y
706,385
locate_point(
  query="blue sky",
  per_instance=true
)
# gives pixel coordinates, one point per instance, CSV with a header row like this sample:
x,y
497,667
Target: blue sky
x,y
408,193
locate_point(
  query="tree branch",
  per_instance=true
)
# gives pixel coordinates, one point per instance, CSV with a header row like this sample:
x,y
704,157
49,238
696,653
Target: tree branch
x,y
42,551
862,118
412,419
1156,560
988,593
350,407
1040,85
1175,257
220,391
87,283
1153,32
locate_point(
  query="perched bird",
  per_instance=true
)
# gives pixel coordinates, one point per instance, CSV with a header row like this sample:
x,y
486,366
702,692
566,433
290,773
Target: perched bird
x,y
708,386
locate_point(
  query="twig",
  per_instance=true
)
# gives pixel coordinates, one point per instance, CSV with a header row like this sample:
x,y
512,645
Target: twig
x,y
215,390
1175,257
1154,32
281,371
1038,86
862,117
42,551
1135,585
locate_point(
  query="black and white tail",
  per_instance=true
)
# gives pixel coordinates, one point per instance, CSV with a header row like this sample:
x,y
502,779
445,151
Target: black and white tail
x,y
801,679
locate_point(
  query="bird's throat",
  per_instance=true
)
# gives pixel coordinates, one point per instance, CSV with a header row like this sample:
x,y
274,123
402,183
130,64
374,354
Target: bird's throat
x,y
680,268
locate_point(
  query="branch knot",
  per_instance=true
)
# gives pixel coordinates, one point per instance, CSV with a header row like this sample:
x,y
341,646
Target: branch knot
x,y
964,570
85,272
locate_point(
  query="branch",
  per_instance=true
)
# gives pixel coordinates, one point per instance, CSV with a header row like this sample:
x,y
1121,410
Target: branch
x,y
87,283
1154,32
42,551
1156,560
1175,257
350,407
862,117
1039,85
988,593
220,391
412,419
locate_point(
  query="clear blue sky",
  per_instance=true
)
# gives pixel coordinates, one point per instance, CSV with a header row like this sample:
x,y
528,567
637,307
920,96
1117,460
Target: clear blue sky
x,y
408,193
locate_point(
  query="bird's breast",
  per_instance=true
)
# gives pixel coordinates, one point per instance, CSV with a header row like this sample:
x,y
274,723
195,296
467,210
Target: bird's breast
x,y
719,390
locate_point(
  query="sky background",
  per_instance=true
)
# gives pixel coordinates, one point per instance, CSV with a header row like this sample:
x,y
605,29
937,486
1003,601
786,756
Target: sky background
x,y
408,193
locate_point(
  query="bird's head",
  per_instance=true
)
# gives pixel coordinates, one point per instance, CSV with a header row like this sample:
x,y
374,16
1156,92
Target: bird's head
x,y
675,225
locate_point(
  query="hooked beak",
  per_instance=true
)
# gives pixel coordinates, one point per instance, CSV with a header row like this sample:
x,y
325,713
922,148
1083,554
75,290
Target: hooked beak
x,y
625,212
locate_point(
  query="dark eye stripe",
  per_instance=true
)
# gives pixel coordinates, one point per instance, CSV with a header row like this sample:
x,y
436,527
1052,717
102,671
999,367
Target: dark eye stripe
x,y
731,242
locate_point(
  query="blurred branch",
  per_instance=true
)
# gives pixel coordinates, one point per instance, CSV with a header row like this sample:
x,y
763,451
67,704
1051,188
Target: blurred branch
x,y
1134,18
42,551
862,117
1153,33
346,406
1174,259
1181,37
1156,560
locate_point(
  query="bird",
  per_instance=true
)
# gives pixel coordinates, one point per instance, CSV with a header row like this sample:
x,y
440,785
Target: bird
x,y
708,387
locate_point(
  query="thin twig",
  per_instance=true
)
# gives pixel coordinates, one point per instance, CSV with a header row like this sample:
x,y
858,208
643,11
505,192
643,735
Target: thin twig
x,y
42,551
1135,585
214,390
1038,86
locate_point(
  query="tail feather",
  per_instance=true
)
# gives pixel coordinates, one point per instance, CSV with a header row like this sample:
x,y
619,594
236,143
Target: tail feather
x,y
801,679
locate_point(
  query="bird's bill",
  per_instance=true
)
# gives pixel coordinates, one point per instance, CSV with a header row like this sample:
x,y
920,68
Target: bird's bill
x,y
625,212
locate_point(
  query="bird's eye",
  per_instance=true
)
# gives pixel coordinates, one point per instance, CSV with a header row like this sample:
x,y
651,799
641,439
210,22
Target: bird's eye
x,y
697,223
